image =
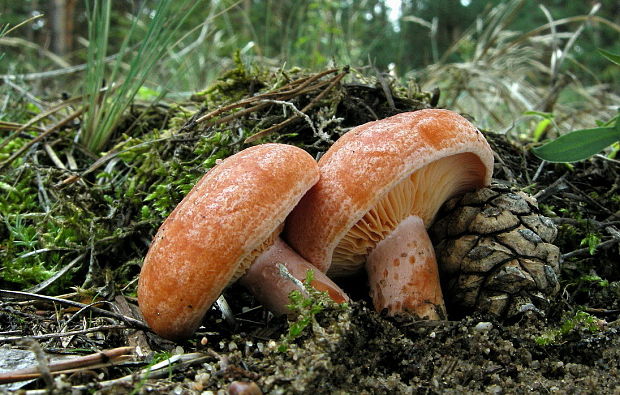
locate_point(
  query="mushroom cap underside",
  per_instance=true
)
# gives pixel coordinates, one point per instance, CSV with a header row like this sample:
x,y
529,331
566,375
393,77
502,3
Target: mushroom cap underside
x,y
223,221
380,173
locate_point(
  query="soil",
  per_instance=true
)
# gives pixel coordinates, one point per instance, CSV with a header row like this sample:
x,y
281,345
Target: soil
x,y
574,347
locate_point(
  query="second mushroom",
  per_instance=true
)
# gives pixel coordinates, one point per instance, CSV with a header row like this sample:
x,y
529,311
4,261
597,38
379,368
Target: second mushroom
x,y
227,228
381,185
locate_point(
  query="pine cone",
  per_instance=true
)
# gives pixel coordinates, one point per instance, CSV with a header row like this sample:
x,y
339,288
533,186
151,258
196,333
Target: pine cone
x,y
495,254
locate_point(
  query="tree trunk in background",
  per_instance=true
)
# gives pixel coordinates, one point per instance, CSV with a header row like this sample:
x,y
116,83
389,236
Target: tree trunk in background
x,y
58,17
62,26
69,27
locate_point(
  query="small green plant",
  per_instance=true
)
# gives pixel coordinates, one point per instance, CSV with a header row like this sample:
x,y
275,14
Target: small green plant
x,y
305,306
592,240
543,125
582,144
581,320
593,278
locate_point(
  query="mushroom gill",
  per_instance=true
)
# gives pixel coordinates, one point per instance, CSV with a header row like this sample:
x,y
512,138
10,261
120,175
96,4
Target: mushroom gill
x,y
421,194
247,260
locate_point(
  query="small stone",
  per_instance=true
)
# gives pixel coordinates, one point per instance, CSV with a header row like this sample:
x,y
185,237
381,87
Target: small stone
x,y
483,326
495,389
244,388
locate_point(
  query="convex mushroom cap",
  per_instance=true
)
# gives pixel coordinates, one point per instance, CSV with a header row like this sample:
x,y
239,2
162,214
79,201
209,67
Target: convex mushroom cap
x,y
233,215
381,185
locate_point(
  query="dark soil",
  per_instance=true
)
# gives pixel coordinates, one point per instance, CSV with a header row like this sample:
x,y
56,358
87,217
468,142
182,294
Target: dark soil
x,y
574,347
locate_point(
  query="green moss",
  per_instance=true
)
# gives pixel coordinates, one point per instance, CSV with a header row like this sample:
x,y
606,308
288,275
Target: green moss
x,y
579,321
592,240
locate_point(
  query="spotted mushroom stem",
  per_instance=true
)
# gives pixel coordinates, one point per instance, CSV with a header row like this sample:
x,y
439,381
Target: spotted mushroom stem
x,y
403,274
272,289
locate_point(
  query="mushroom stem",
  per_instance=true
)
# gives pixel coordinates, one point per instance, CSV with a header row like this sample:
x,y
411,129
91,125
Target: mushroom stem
x,y
264,280
403,273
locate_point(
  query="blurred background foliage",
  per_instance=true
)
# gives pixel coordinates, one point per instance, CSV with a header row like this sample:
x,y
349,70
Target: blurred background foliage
x,y
494,59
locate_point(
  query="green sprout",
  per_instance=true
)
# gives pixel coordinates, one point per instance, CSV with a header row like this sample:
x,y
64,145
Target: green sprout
x,y
592,240
305,306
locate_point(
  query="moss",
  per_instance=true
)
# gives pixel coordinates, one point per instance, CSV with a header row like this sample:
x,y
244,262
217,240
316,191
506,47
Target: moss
x,y
579,321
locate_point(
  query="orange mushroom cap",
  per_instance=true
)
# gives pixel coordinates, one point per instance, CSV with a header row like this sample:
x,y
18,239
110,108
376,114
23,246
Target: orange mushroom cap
x,y
369,161
232,214
377,175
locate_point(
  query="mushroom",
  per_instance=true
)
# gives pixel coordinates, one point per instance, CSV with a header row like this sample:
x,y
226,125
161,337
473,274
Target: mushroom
x,y
381,185
231,218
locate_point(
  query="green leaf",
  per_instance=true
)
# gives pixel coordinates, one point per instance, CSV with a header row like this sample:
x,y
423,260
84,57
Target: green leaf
x,y
578,145
612,57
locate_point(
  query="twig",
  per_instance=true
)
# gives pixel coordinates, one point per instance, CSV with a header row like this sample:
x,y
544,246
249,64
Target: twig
x,y
305,82
588,198
298,112
99,162
386,88
33,99
100,328
137,338
613,231
264,103
314,101
589,221
42,368
229,317
43,135
44,200
158,370
539,170
283,272
557,185
18,127
586,251
103,358
593,310
54,157
26,295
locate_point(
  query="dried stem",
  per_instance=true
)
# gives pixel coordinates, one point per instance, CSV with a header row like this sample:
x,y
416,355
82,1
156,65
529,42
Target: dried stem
x,y
43,135
314,101
26,295
100,328
103,358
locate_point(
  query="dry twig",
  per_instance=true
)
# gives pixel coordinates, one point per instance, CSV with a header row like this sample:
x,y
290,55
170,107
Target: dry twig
x,y
64,334
26,295
97,360
43,135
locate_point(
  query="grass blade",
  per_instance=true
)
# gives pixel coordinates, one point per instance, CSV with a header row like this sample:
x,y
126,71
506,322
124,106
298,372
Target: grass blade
x,y
106,108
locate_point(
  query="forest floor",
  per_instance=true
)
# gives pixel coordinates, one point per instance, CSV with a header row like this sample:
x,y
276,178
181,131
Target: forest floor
x,y
573,347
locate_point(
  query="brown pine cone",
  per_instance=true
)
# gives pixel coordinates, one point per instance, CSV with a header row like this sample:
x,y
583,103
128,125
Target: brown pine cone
x,y
495,254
